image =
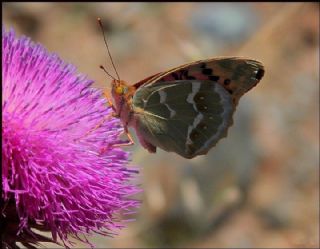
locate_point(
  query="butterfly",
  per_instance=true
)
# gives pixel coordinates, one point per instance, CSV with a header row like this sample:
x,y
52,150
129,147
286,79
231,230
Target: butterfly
x,y
187,109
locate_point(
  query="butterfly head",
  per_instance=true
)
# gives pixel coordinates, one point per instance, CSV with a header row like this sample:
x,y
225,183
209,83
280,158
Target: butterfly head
x,y
121,93
119,88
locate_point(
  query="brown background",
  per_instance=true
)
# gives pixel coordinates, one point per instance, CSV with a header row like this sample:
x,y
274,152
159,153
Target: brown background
x,y
259,187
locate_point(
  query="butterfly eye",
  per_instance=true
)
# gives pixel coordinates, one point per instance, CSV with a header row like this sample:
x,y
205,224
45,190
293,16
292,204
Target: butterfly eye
x,y
119,90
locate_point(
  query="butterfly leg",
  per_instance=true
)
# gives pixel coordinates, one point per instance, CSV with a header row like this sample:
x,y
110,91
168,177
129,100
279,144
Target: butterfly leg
x,y
96,127
113,114
127,143
107,96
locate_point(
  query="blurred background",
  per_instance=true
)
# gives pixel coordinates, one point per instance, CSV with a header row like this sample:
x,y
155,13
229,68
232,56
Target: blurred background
x,y
259,187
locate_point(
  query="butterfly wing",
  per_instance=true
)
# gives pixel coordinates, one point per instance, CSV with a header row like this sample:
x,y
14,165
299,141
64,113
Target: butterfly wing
x,y
185,116
237,75
189,108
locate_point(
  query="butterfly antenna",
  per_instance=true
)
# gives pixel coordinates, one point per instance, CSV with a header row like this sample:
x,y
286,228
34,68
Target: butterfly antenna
x,y
105,41
102,67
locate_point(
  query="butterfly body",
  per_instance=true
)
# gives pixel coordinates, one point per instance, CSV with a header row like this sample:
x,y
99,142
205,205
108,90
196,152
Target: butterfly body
x,y
188,109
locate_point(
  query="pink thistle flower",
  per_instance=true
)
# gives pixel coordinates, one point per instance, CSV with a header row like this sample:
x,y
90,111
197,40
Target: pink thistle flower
x,y
53,176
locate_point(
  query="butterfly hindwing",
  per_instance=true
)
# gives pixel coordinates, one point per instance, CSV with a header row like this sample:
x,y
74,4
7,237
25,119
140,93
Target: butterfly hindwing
x,y
189,108
184,116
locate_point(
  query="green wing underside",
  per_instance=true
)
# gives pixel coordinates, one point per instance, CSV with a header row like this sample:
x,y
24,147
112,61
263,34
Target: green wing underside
x,y
187,117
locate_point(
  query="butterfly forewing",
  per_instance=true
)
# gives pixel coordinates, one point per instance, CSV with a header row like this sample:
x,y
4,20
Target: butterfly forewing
x,y
237,75
185,116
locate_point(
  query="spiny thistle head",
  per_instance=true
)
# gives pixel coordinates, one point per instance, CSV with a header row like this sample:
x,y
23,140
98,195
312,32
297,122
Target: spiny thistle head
x,y
54,177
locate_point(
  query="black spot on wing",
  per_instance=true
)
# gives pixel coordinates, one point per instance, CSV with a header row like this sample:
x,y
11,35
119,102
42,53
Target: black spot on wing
x,y
214,77
203,65
190,78
260,74
184,73
202,126
199,97
202,107
207,71
194,135
175,76
226,82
